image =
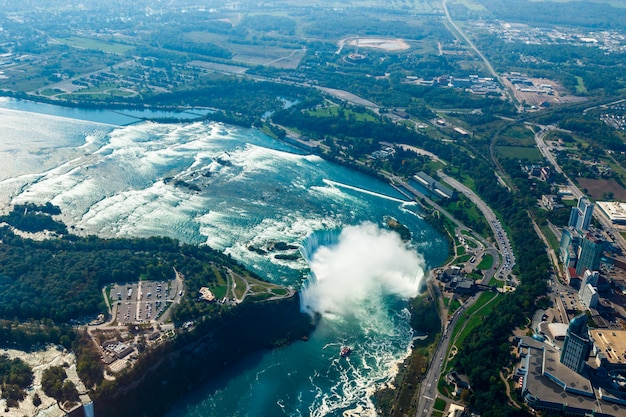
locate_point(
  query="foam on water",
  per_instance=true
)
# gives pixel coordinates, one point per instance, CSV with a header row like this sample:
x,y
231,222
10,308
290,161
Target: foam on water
x,y
357,277
253,191
338,184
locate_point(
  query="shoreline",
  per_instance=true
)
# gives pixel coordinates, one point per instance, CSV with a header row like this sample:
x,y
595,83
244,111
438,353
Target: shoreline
x,y
413,351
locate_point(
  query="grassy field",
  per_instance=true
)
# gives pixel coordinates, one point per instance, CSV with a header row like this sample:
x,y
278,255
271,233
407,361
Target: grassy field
x,y
486,263
580,87
240,286
334,111
97,45
463,258
517,136
520,152
423,6
287,56
470,5
497,282
454,305
475,316
552,240
50,91
440,404
619,170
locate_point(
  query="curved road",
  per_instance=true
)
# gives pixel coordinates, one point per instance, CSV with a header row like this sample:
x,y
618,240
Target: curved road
x,y
502,240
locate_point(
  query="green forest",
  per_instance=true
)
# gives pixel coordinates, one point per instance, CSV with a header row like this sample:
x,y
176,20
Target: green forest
x,y
62,279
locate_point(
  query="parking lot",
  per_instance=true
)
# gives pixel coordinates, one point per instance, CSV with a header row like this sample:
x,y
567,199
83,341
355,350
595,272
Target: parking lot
x,y
142,301
505,247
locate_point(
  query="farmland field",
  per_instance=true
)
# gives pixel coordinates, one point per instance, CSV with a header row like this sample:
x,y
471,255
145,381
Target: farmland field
x,y
598,189
520,152
94,44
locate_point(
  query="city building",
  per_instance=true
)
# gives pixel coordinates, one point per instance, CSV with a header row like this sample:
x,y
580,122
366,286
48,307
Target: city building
x,y
548,386
581,215
589,295
577,345
568,247
551,202
609,348
590,253
591,277
435,186
588,292
614,210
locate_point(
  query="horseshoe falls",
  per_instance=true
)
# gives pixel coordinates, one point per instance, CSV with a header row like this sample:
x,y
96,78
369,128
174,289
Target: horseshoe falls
x,y
234,189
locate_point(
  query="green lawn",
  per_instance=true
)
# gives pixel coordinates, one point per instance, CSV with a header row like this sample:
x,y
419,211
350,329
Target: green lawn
x,y
219,291
335,111
471,243
280,291
440,404
552,240
497,282
241,287
518,135
454,305
50,91
528,153
580,87
470,5
474,319
464,258
94,44
486,262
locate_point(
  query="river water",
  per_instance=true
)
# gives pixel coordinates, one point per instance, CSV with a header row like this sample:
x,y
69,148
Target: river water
x,y
114,174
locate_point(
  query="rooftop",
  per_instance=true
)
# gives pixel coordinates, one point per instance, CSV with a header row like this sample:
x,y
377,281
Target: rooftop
x,y
615,210
553,384
612,344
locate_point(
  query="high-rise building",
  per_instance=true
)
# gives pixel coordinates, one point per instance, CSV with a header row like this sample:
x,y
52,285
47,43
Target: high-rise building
x,y
590,252
589,295
581,215
577,345
568,247
591,277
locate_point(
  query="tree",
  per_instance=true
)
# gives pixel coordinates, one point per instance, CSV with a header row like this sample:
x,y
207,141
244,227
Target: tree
x,y
69,391
52,382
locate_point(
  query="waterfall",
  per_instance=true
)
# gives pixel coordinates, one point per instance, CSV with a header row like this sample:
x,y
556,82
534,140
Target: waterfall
x,y
357,266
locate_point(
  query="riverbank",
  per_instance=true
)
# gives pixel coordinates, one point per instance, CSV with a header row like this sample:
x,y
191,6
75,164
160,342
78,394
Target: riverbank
x,y
199,357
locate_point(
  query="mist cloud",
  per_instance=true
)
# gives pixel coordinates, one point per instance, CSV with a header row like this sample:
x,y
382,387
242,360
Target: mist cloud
x,y
365,264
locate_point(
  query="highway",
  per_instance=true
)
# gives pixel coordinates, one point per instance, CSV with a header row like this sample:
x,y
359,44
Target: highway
x,y
444,3
469,42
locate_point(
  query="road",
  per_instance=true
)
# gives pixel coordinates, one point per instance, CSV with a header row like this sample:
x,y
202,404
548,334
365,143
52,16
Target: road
x,y
428,387
545,149
501,238
418,151
598,214
444,4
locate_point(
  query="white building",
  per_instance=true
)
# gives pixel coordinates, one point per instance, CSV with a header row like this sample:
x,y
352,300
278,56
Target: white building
x,y
588,296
